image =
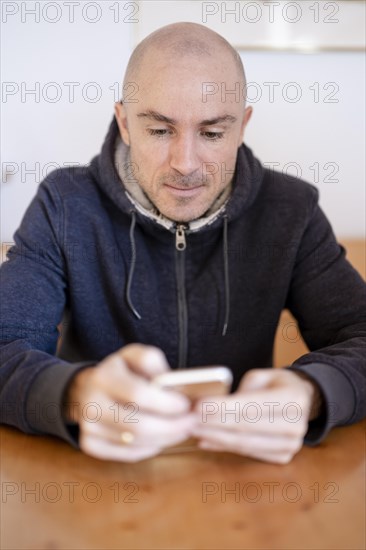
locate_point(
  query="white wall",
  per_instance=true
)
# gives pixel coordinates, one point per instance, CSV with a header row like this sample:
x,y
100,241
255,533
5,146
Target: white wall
x,y
70,130
320,141
325,132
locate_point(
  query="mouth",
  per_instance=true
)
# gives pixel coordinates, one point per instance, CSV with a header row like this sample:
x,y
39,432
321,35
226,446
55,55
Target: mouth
x,y
184,191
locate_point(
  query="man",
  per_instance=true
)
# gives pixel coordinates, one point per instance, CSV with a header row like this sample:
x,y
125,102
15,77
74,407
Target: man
x,y
175,248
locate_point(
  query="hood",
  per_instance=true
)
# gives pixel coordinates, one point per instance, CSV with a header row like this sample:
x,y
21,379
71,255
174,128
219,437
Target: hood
x,y
246,183
247,180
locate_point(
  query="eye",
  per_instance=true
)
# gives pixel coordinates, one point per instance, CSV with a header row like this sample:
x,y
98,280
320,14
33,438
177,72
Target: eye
x,y
158,132
213,136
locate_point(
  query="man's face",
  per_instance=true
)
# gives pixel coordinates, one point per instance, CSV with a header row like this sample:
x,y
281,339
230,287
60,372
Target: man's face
x,y
183,142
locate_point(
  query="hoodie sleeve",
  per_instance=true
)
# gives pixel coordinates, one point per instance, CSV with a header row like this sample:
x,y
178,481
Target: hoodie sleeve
x,y
33,296
328,299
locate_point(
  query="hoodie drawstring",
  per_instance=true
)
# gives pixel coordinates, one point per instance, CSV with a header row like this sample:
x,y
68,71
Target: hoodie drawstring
x,y
226,271
132,266
226,275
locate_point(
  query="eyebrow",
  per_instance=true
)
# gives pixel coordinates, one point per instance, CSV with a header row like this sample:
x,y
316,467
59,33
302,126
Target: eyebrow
x,y
207,122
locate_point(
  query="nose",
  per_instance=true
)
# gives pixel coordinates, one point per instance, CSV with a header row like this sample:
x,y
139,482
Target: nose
x,y
183,155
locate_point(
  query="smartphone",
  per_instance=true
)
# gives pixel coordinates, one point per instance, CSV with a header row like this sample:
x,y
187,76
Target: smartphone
x,y
198,381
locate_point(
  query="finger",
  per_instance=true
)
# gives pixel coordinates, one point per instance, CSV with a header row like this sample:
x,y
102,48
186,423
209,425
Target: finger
x,y
106,450
147,361
274,458
257,379
149,430
263,414
138,442
256,446
122,385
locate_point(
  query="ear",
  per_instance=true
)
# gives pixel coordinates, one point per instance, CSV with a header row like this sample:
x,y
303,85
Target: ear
x,y
121,117
247,114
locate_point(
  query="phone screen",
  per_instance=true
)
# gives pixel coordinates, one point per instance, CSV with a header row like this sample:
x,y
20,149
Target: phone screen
x,y
198,381
195,383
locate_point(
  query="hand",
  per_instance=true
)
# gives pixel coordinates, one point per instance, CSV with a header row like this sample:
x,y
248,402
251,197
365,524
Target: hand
x,y
116,397
266,418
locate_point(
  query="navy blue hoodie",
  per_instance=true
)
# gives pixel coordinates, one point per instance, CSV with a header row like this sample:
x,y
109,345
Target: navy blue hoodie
x,y
87,261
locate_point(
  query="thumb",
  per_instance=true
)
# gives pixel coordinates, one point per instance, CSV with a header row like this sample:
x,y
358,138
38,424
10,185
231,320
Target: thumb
x,y
147,361
257,379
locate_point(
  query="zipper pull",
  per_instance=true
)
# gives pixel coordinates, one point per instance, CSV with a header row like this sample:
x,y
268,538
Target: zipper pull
x,y
180,238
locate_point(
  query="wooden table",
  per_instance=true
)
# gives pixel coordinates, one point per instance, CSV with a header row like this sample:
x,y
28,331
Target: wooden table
x,y
53,496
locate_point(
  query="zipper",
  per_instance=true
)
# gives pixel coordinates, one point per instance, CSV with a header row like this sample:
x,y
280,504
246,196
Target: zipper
x,y
180,246
180,237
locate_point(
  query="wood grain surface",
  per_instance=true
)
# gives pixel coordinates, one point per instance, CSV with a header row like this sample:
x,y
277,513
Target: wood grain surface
x,y
54,497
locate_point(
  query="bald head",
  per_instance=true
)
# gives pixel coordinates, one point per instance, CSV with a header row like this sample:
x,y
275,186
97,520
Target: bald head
x,y
183,40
